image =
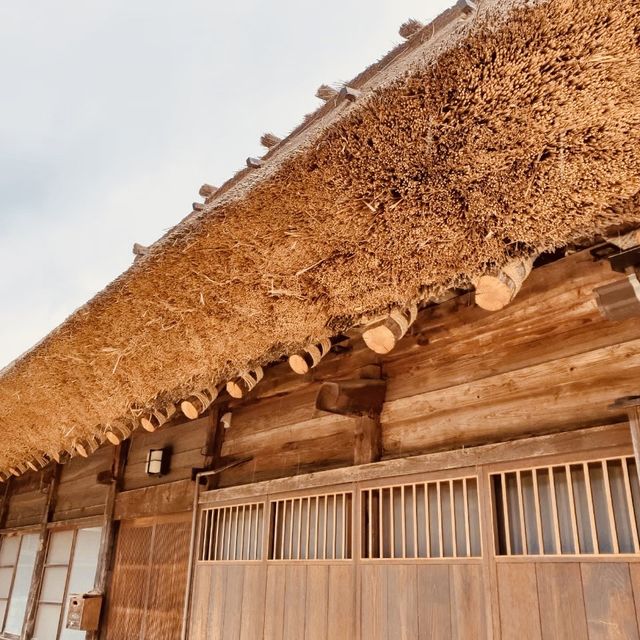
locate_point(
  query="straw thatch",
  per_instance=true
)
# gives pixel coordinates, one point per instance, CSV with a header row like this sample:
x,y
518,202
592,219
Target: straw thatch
x,y
505,133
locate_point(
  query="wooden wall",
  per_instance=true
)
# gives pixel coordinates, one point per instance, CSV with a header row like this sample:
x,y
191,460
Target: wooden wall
x,y
464,376
186,441
593,599
79,495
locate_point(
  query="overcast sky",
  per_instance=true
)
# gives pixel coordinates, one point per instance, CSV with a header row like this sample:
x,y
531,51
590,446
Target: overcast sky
x,y
112,114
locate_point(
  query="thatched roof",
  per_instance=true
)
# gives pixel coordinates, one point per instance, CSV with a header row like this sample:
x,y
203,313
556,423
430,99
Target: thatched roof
x,y
511,130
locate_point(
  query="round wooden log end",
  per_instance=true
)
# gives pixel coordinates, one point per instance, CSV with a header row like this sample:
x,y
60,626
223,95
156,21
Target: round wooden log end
x,y
493,293
147,424
234,389
113,437
379,339
82,450
298,364
189,409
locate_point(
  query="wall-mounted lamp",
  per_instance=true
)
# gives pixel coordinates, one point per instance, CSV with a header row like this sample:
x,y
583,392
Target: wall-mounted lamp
x,y
158,462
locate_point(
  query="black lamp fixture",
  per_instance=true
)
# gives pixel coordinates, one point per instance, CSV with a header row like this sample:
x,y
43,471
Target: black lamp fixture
x,y
158,462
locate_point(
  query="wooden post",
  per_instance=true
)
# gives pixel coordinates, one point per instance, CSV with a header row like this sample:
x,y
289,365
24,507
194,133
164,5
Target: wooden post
x,y
38,568
4,505
368,440
215,438
109,528
632,406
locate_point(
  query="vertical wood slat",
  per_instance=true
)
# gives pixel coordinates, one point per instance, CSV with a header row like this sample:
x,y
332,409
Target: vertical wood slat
x,y
505,511
536,502
572,507
611,516
403,525
554,511
380,519
630,506
467,532
452,505
416,550
440,533
427,519
592,518
523,529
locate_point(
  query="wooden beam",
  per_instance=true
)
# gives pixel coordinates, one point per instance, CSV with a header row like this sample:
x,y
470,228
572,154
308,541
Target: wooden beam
x,y
107,539
495,290
382,335
215,438
361,397
605,439
38,568
6,497
155,500
368,440
310,356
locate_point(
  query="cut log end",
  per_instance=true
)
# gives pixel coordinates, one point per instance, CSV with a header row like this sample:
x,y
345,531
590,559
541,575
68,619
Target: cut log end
x,y
189,409
410,28
234,389
298,364
207,190
380,339
147,424
325,92
269,140
495,291
114,438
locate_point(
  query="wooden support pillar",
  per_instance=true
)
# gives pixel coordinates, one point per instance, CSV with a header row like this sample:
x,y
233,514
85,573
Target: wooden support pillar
x,y
41,555
4,505
109,529
215,438
362,399
632,406
367,445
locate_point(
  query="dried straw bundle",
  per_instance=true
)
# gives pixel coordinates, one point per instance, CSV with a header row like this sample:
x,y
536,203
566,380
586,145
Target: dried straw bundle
x,y
491,140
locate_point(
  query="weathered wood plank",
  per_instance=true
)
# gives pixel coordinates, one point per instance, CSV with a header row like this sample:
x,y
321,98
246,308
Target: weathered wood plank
x,y
274,603
198,627
342,599
567,393
562,612
518,597
317,602
253,596
467,595
600,438
402,602
373,615
295,595
609,601
434,602
233,602
172,497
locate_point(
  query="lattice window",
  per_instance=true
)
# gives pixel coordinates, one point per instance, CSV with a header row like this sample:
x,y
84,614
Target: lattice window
x,y
578,508
311,527
232,533
438,519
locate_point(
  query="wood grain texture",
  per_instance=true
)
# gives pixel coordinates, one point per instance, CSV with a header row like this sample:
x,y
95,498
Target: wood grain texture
x,y
402,602
373,614
467,594
342,603
562,612
274,603
317,602
252,608
609,601
434,602
518,598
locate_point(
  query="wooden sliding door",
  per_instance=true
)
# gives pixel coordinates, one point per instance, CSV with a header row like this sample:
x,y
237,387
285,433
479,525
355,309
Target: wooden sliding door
x,y
146,597
544,548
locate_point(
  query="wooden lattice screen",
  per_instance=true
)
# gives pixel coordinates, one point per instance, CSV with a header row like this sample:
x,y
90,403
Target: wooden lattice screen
x,y
149,577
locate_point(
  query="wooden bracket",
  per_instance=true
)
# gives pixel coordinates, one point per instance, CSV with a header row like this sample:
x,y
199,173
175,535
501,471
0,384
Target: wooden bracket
x,y
352,397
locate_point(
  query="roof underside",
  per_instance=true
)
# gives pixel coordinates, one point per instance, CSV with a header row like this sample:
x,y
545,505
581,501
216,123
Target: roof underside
x,y
510,132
